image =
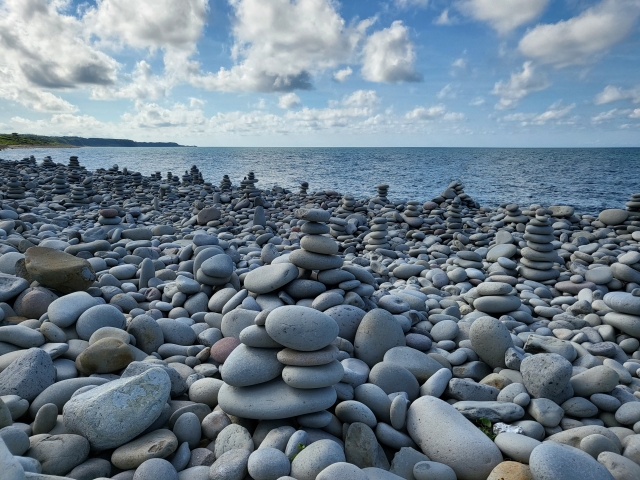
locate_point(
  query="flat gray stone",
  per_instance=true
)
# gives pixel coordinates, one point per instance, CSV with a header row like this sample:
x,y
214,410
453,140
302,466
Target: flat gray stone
x,y
490,339
29,375
301,328
268,278
64,311
247,366
274,400
377,333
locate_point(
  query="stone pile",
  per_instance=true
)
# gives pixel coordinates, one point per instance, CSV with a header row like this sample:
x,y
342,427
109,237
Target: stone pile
x,y
539,256
304,187
142,338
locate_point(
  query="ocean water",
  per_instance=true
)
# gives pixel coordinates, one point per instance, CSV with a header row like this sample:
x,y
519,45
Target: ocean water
x,y
587,178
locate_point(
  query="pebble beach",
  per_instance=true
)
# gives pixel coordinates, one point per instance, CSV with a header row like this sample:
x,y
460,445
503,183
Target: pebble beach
x,y
180,327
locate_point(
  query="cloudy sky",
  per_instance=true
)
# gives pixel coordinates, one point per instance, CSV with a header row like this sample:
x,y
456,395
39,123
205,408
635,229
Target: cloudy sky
x,y
323,72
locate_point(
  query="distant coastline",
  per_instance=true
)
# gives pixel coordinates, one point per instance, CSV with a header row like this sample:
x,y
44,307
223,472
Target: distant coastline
x,y
15,140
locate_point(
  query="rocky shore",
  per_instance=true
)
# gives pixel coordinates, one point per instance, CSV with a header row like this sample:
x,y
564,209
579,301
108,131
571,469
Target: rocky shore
x,y
164,327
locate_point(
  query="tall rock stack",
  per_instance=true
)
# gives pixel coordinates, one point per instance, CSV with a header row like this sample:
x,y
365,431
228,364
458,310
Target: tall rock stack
x,y
453,219
48,164
318,251
225,183
378,236
539,256
60,185
249,190
633,207
75,175
381,197
118,186
15,189
78,196
304,187
87,183
411,215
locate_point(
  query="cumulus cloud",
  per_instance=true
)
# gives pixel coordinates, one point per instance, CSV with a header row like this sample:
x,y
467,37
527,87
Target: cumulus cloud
x,y
434,112
142,85
503,15
13,87
518,86
584,38
279,45
289,100
43,48
361,99
388,56
149,23
412,3
635,113
460,63
612,93
342,75
476,102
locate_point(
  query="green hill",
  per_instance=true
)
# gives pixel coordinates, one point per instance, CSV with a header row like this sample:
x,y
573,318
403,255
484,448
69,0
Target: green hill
x,y
15,139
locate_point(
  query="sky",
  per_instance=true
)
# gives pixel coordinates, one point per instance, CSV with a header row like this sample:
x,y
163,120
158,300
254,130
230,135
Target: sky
x,y
455,73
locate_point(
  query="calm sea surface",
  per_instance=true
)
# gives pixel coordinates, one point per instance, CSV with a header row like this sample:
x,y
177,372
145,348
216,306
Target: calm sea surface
x,y
588,179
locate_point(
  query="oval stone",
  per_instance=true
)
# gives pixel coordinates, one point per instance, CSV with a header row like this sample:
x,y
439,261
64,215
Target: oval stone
x,y
274,400
268,278
301,328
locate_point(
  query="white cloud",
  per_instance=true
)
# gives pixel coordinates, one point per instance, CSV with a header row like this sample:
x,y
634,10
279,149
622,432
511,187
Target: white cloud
x,y
388,56
478,101
605,116
149,23
556,113
42,48
460,63
361,99
584,38
422,113
444,18
446,92
412,3
289,100
503,15
342,75
519,86
612,93
143,85
13,87
454,116
152,115
279,45
635,113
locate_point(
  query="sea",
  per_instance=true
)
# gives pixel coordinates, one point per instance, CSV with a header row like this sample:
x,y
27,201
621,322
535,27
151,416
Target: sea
x,y
589,179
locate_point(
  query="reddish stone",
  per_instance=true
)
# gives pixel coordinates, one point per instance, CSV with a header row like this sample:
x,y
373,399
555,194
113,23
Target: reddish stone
x,y
223,348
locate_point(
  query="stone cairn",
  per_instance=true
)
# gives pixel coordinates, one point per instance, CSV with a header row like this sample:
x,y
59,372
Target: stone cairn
x,y
225,184
539,256
15,189
513,215
411,215
60,185
633,207
377,238
304,187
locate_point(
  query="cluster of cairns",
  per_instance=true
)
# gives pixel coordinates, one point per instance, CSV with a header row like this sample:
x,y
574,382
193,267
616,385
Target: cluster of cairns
x,y
164,328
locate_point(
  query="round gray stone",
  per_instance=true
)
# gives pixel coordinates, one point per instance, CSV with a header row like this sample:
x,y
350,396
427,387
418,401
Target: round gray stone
x,y
301,328
97,317
268,278
551,461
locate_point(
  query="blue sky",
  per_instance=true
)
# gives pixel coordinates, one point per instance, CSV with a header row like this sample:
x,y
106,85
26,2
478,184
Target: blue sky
x,y
516,73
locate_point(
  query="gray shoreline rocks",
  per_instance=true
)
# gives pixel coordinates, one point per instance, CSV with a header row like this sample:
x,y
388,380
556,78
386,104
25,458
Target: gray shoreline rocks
x,y
163,327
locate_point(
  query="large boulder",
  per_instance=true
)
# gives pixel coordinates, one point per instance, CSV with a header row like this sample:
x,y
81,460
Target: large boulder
x,y
112,414
58,270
